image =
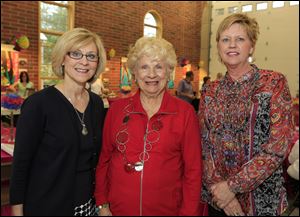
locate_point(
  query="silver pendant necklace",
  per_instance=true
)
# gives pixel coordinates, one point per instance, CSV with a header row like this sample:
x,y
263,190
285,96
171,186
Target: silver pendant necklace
x,y
84,130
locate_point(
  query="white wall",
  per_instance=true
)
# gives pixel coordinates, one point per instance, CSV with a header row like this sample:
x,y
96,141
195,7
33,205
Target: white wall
x,y
277,47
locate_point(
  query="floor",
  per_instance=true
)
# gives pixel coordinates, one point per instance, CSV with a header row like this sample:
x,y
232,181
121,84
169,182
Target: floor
x,y
293,209
5,211
295,212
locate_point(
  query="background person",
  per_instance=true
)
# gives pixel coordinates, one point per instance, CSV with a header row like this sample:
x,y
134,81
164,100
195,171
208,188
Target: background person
x,y
150,163
219,76
59,134
206,82
185,88
97,86
247,129
23,85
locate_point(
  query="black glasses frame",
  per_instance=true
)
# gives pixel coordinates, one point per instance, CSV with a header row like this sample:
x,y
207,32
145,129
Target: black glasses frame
x,y
82,55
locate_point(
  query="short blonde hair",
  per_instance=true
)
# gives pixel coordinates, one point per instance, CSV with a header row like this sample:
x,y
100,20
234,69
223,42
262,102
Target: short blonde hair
x,y
156,48
250,25
73,40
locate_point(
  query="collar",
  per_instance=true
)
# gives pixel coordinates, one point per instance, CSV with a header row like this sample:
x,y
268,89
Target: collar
x,y
187,80
244,78
168,104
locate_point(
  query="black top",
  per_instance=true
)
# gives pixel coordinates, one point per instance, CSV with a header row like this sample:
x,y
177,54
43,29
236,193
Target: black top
x,y
47,150
84,175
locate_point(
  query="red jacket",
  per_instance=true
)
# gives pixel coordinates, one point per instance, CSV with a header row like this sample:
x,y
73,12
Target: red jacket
x,y
170,182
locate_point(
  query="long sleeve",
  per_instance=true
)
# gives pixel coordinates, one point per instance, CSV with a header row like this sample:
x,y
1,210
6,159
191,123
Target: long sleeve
x,y
101,190
180,87
275,150
210,176
192,167
28,136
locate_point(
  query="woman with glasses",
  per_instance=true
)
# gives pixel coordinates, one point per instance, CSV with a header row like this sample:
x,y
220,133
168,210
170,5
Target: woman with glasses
x,y
150,162
59,134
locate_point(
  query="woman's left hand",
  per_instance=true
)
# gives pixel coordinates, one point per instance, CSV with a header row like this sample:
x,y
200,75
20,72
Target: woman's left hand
x,y
234,208
222,195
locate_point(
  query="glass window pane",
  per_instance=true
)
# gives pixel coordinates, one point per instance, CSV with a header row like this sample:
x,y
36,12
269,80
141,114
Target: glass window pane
x,y
149,31
278,4
220,11
47,43
294,3
54,17
150,20
49,82
246,8
261,6
232,10
62,2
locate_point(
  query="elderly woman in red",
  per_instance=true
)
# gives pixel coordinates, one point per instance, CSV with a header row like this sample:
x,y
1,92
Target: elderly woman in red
x,y
150,162
247,129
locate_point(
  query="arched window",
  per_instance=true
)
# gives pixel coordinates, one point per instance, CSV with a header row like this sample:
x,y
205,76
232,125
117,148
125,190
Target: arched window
x,y
152,25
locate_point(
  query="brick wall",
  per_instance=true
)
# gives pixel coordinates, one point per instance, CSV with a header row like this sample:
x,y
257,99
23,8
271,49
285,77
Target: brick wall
x,y
21,18
119,23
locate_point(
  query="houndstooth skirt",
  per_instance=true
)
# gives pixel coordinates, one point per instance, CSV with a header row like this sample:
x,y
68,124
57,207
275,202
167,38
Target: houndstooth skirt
x,y
87,209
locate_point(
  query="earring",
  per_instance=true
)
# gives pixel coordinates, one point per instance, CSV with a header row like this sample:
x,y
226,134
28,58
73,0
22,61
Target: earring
x,y
250,59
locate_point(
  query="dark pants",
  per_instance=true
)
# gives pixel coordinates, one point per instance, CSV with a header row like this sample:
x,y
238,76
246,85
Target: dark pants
x,y
195,104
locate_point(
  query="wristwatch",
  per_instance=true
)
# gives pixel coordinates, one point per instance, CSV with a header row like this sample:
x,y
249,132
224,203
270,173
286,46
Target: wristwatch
x,y
105,205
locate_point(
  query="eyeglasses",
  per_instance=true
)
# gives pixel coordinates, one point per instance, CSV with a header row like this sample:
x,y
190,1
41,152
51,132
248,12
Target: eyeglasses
x,y
76,55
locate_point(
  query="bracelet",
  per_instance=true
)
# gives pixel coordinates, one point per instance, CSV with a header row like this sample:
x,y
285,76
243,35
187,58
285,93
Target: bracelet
x,y
105,205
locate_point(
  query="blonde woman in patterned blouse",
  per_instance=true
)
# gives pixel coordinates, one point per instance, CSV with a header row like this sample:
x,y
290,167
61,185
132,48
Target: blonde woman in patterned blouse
x,y
246,129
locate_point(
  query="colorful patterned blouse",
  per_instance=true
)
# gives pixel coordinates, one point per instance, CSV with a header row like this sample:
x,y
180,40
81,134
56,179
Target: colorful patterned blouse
x,y
246,134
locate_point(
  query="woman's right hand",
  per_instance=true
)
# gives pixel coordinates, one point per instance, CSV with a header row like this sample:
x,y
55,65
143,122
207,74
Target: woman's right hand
x,y
105,212
17,210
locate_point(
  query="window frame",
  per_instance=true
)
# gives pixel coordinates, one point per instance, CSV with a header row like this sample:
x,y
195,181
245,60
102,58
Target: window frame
x,y
70,6
158,21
